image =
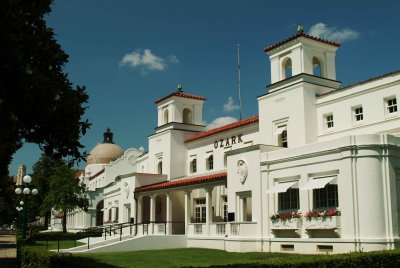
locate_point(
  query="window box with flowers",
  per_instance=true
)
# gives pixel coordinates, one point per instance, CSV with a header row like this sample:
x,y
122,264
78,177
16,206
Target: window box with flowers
x,y
289,220
327,219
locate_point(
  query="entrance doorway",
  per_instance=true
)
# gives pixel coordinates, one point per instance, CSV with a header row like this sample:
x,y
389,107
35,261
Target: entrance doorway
x,y
99,213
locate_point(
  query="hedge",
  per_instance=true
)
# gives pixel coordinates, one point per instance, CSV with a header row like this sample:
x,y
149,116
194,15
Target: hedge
x,y
34,257
54,236
387,258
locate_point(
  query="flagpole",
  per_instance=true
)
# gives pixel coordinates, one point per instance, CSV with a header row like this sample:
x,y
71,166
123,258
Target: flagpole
x,y
240,97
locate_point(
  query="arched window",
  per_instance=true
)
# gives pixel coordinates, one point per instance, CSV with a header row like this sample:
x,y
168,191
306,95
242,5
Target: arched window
x,y
187,116
316,67
210,162
193,166
166,117
287,68
159,167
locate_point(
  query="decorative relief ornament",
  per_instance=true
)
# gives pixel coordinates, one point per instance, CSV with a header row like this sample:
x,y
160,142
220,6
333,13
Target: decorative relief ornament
x,y
126,188
242,170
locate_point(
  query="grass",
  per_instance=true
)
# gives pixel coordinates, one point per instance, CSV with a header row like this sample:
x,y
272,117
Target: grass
x,y
53,244
186,257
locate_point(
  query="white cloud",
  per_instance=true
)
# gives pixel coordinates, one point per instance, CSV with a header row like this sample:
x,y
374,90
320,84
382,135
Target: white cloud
x,y
230,106
145,60
221,121
332,33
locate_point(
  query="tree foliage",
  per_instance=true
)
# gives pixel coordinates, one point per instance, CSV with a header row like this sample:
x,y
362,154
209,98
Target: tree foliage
x,y
42,171
37,101
8,202
64,193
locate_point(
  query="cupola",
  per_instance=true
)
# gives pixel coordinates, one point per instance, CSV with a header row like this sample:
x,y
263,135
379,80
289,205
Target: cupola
x,y
180,107
302,53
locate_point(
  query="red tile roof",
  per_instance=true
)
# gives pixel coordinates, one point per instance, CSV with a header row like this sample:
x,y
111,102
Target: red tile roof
x,y
217,130
190,181
79,172
300,34
181,94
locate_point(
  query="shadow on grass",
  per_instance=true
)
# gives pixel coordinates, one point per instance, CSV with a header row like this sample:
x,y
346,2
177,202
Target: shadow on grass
x,y
67,261
8,262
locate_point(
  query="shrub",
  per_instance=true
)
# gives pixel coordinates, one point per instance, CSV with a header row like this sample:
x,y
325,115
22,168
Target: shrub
x,y
34,257
387,258
54,236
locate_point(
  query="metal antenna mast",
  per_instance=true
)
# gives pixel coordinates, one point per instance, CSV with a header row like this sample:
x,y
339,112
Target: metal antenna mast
x,y
240,97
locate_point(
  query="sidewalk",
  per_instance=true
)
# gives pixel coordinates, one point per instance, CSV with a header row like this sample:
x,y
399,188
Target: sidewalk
x,y
8,251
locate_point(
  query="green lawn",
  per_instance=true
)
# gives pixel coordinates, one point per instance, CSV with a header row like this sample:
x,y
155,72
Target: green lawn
x,y
185,257
53,244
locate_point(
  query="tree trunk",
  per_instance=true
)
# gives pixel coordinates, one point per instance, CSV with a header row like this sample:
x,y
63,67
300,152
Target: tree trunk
x,y
64,222
47,216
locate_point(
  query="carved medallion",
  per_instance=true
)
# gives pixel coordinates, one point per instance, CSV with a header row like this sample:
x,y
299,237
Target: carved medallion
x,y
242,170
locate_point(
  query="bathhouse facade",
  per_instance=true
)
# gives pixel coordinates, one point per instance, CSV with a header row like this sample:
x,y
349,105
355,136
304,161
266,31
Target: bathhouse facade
x,y
317,170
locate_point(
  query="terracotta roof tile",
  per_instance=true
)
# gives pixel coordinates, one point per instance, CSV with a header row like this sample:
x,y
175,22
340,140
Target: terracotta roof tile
x,y
181,94
78,173
217,130
300,34
189,181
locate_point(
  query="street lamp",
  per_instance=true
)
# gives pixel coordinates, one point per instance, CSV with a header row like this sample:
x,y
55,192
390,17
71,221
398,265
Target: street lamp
x,y
19,209
24,204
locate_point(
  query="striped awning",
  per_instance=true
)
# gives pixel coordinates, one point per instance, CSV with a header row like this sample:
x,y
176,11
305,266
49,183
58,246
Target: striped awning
x,y
282,187
317,183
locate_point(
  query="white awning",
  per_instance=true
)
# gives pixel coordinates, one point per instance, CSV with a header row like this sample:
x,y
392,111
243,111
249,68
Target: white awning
x,y
280,130
282,187
317,183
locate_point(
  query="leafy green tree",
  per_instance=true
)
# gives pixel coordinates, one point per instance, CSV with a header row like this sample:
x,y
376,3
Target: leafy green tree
x,y
65,193
37,101
8,202
42,171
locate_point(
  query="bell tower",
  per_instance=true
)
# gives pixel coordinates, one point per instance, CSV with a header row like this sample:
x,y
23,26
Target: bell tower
x,y
181,108
180,116
302,53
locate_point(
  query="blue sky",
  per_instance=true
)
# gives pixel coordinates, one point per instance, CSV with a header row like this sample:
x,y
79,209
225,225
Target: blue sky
x,y
130,53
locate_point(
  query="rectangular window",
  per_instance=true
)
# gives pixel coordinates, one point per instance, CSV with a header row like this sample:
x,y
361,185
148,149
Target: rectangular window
x,y
358,114
225,207
391,105
326,197
245,207
289,200
193,166
116,213
210,162
200,210
329,121
284,139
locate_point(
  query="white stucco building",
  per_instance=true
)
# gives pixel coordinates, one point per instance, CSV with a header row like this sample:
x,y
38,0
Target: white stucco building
x,y
315,148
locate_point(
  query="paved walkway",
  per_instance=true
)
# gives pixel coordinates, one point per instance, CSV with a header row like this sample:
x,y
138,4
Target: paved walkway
x,y
8,251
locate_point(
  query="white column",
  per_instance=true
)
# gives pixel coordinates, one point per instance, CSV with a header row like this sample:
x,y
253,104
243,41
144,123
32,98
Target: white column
x,y
208,209
188,209
152,213
168,213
